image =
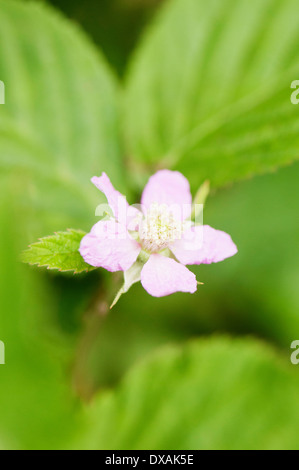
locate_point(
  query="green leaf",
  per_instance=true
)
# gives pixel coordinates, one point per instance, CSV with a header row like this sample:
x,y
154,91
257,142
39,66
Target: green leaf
x,y
59,127
35,394
260,216
59,251
60,122
208,90
210,394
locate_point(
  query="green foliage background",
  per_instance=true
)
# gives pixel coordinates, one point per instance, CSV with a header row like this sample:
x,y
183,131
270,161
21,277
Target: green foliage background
x,y
202,87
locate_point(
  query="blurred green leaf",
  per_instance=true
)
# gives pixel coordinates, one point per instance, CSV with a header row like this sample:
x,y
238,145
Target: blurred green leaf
x,y
59,251
211,394
59,127
208,90
35,392
60,123
257,290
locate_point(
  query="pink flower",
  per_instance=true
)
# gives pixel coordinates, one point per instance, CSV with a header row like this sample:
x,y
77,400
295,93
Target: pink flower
x,y
154,243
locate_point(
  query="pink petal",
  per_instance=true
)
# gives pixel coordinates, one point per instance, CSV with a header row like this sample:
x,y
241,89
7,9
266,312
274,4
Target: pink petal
x,y
203,245
118,203
109,246
171,188
163,276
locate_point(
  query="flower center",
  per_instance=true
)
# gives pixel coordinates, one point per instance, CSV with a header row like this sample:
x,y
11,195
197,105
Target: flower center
x,y
159,228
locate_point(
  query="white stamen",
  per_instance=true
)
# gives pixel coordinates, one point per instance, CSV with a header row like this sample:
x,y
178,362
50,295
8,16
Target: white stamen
x,y
159,228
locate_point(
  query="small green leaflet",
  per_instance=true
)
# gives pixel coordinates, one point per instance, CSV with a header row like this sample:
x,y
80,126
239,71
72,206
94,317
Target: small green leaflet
x,y
58,251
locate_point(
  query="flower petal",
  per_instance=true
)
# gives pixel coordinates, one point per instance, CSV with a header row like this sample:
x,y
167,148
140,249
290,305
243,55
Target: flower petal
x,y
162,276
109,246
122,211
203,245
170,188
